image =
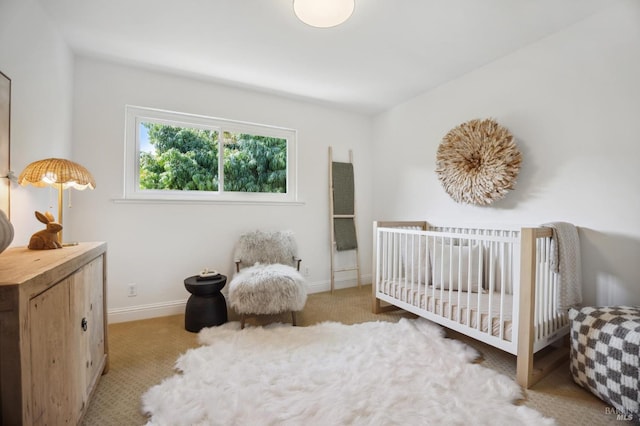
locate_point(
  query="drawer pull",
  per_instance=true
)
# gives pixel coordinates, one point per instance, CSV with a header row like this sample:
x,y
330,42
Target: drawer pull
x,y
83,324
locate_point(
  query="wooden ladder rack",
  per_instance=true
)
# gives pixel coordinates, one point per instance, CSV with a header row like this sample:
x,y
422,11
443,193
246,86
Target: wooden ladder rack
x,y
350,214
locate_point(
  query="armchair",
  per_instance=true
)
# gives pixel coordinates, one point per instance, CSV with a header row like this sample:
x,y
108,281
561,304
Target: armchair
x,y
267,279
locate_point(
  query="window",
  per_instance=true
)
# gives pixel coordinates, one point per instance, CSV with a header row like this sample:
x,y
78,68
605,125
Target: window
x,y
176,156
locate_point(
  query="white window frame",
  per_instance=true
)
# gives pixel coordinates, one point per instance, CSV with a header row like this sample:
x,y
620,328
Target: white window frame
x,y
134,115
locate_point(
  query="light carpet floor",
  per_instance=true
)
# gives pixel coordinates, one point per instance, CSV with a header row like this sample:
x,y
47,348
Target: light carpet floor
x,y
143,353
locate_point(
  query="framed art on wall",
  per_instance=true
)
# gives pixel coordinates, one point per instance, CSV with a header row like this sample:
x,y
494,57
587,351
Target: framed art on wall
x,y
5,124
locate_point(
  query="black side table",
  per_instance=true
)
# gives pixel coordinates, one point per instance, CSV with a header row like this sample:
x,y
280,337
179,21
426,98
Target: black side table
x,y
206,306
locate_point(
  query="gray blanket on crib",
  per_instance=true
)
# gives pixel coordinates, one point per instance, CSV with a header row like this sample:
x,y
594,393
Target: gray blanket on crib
x,y
565,260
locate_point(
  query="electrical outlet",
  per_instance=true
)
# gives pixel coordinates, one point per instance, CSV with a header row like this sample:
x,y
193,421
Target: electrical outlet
x,y
306,271
133,290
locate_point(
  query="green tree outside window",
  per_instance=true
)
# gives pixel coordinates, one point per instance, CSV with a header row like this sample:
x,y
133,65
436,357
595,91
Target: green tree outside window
x,y
186,159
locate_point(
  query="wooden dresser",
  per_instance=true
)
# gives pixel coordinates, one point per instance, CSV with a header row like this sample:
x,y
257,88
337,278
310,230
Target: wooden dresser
x,y
53,334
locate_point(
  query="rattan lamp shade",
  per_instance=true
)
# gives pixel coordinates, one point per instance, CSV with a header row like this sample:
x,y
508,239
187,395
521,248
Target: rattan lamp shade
x,y
56,171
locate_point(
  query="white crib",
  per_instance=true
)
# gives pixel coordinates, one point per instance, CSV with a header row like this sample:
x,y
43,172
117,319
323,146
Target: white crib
x,y
494,285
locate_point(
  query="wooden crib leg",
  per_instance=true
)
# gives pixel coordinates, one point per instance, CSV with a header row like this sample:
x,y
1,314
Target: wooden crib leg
x,y
524,370
524,366
528,374
293,318
376,305
530,371
242,318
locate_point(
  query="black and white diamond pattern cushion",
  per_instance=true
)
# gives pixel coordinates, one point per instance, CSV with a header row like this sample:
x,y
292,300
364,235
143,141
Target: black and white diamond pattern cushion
x,y
605,354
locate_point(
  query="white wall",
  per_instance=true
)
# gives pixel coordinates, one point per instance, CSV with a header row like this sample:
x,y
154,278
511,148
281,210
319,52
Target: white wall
x,y
40,65
572,101
157,245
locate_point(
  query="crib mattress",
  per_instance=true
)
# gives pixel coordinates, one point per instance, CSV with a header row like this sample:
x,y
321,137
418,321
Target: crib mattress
x,y
457,306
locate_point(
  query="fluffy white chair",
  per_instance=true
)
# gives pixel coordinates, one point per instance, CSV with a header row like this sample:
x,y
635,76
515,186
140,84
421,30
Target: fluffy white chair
x,y
267,279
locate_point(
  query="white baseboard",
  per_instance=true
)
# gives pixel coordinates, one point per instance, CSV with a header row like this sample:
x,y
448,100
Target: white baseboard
x,y
320,286
176,307
152,310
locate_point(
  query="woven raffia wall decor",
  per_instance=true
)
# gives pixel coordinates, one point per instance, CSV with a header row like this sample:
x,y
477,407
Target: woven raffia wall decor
x,y
478,162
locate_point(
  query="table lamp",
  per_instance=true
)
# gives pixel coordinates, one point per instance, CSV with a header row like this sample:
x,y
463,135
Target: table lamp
x,y
58,173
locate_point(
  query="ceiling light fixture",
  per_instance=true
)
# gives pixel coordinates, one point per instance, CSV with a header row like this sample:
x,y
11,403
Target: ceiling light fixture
x,y
323,13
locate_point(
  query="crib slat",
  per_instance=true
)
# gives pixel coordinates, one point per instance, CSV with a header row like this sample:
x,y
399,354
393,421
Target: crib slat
x,y
469,274
502,289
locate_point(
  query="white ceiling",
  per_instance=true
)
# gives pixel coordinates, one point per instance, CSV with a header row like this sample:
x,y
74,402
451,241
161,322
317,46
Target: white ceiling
x,y
388,52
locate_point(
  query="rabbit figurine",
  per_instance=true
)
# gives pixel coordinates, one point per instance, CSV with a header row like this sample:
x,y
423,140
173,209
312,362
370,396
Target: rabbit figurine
x,y
47,238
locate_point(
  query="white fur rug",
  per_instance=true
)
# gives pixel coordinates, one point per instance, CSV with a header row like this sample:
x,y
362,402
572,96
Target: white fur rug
x,y
375,373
